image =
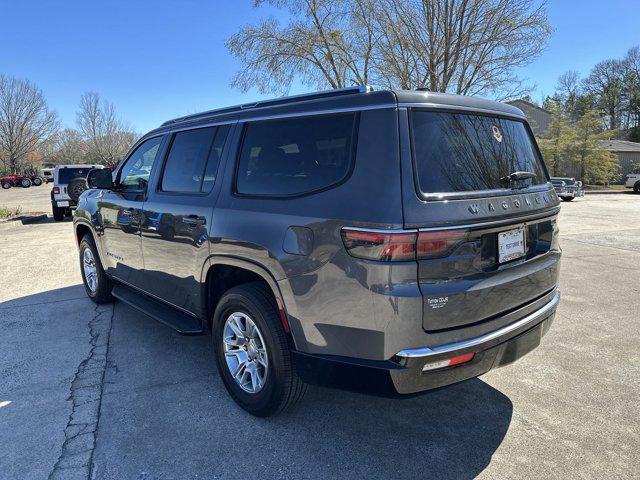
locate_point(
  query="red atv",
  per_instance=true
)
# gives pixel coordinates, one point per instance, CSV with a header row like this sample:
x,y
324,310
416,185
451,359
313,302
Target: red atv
x,y
17,180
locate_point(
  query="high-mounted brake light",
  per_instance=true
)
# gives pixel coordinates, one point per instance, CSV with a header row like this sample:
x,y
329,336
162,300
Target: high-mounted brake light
x,y
56,190
400,246
449,362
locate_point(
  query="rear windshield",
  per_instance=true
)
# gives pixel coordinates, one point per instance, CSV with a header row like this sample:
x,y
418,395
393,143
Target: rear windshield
x,y
460,152
65,175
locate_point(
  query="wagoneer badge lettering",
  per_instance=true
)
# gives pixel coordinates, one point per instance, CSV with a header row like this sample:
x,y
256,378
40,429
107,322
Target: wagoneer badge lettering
x,y
474,208
505,205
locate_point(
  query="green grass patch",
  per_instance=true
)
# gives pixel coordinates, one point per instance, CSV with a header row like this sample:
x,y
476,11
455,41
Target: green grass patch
x,y
8,212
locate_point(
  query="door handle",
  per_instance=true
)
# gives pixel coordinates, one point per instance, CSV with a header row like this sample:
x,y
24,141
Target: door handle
x,y
191,220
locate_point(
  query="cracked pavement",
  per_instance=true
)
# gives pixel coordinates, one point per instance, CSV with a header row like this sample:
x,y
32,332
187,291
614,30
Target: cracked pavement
x,y
107,393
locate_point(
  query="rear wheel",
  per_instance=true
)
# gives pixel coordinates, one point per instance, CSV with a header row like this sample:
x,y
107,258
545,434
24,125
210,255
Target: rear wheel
x,y
567,199
58,213
96,283
636,188
37,181
25,183
252,352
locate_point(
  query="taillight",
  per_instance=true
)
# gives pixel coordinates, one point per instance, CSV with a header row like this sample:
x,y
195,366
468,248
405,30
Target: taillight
x,y
438,243
400,246
56,190
385,247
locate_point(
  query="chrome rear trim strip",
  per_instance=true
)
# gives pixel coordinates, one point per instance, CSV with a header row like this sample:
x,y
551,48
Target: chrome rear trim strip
x,y
478,341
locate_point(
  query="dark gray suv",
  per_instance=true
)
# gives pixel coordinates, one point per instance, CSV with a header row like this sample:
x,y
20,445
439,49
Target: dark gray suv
x,y
391,241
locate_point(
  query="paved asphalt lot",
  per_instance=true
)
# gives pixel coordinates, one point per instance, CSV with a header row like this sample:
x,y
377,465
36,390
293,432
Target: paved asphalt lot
x,y
111,388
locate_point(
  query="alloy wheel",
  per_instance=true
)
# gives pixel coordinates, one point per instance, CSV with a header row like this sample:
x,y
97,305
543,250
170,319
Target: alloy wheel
x,y
245,352
90,271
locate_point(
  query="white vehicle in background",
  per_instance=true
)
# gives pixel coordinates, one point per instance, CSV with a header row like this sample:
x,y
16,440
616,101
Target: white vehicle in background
x,y
46,172
632,180
69,181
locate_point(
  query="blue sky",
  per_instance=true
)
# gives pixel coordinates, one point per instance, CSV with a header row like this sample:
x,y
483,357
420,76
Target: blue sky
x,y
160,59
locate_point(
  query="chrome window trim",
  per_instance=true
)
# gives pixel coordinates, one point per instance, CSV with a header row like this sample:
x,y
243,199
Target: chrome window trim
x,y
482,339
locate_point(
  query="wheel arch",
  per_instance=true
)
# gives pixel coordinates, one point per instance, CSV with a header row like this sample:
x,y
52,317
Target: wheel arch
x,y
235,271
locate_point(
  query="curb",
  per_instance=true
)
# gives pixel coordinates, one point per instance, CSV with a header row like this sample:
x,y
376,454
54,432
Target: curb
x,y
26,220
607,192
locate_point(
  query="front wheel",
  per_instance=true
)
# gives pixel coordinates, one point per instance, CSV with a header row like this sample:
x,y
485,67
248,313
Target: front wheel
x,y
636,188
252,352
96,283
567,199
37,181
6,185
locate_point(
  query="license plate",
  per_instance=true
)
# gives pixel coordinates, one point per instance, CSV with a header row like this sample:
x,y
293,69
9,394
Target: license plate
x,y
63,204
511,245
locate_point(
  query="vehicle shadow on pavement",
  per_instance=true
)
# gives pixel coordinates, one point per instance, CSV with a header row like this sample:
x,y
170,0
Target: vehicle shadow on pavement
x,y
165,414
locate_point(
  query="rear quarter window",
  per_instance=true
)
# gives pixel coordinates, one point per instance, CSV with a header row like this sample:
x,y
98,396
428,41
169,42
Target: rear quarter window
x,y
296,156
460,152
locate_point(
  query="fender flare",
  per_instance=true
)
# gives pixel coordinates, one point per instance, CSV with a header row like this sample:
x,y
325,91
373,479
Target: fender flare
x,y
249,265
254,267
90,226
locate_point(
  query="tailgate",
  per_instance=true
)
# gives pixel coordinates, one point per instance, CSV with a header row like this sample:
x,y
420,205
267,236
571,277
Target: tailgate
x,y
471,285
476,189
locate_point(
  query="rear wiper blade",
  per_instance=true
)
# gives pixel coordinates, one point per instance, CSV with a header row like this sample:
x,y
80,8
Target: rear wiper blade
x,y
515,176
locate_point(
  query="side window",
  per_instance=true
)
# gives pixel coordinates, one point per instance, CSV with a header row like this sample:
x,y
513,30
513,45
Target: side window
x,y
135,172
183,170
294,156
193,159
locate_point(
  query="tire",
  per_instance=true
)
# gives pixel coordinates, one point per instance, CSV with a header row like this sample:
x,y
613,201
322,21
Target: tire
x,y
37,181
76,187
6,185
25,183
58,213
100,291
636,187
281,387
567,199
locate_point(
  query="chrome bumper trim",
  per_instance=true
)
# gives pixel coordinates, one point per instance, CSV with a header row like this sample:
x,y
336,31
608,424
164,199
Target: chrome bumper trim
x,y
474,342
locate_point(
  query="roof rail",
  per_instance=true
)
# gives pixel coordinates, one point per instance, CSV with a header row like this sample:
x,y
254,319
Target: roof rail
x,y
272,102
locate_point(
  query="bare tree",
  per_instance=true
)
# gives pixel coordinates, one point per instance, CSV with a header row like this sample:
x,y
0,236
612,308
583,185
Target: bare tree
x,y
25,121
66,146
468,47
606,83
107,137
460,46
326,43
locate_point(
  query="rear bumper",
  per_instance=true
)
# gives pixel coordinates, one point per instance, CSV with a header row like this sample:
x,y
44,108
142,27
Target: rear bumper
x,y
403,373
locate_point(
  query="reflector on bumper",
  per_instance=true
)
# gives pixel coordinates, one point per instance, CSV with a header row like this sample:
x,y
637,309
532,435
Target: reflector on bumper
x,y
449,362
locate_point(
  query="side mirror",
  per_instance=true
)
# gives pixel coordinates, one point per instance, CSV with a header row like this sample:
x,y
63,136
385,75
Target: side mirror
x,y
100,178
